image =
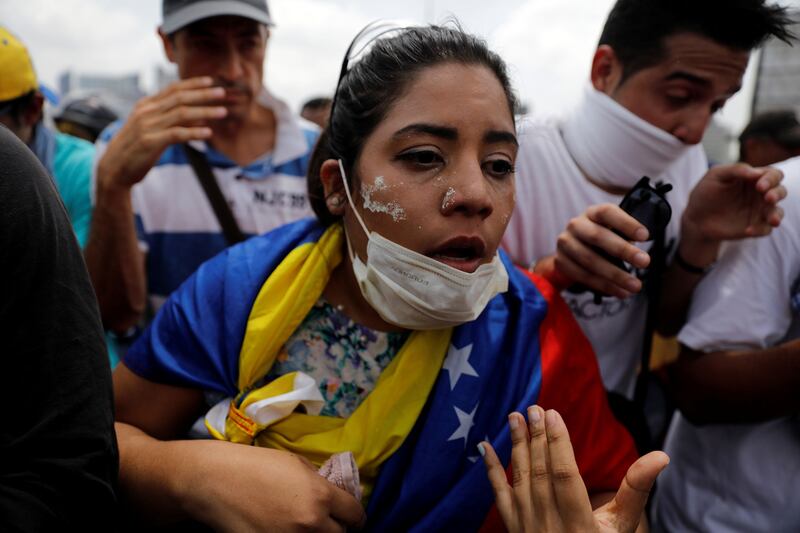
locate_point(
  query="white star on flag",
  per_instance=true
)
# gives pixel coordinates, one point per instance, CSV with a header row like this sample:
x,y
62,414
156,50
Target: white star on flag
x,y
465,423
457,364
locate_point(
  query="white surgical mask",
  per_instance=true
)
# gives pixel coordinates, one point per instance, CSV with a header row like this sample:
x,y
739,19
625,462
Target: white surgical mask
x,y
414,291
613,145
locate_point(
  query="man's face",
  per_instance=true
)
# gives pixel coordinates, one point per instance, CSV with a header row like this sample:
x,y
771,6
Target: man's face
x,y
230,50
682,92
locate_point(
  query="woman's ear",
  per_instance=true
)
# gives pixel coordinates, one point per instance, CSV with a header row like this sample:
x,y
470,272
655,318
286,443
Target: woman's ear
x,y
333,187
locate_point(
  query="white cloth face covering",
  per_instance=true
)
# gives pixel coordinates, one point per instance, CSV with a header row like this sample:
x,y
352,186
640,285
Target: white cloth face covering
x,y
613,145
413,291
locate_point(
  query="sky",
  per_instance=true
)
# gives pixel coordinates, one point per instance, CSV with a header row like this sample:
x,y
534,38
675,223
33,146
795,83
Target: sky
x,y
547,44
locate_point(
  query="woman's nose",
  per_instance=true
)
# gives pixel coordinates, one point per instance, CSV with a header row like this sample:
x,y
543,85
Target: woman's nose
x,y
468,193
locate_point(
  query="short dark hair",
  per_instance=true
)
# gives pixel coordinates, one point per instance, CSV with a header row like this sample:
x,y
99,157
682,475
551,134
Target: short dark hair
x,y
17,107
636,29
367,91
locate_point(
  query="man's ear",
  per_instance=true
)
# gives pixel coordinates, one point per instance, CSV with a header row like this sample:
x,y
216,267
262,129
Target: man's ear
x,y
606,69
169,45
333,187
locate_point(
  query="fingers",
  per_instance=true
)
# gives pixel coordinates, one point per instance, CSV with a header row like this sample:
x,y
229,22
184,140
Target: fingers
x,y
583,264
771,178
629,502
579,246
544,500
521,467
503,495
190,97
774,216
345,509
187,115
615,218
178,135
189,83
570,492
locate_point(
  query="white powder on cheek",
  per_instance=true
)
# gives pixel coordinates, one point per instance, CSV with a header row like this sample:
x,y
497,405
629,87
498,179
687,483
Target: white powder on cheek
x,y
392,209
448,197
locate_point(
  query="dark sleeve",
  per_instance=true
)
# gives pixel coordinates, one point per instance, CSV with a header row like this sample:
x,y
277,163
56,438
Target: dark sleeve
x,y
59,458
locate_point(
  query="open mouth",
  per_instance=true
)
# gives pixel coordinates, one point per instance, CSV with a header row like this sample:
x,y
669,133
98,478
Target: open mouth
x,y
463,253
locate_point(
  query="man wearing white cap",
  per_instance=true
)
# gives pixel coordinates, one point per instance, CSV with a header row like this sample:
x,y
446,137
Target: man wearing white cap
x,y
206,162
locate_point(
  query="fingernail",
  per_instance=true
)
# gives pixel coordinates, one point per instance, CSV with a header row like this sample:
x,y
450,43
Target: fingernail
x,y
641,259
641,234
218,91
551,418
633,285
512,421
220,111
481,449
533,415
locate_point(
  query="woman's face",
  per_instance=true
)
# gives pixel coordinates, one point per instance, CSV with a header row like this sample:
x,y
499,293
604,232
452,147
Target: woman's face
x,y
437,174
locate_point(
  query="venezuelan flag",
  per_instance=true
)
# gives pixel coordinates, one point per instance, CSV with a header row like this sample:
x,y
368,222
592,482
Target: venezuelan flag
x,y
525,348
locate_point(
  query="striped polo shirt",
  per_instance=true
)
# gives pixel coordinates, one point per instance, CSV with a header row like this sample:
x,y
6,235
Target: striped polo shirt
x,y
175,222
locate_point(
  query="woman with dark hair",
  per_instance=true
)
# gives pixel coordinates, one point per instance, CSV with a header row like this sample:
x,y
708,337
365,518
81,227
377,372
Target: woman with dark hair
x,y
389,328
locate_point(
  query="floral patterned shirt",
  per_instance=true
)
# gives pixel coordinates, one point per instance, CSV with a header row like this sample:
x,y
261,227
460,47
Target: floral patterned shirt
x,y
344,358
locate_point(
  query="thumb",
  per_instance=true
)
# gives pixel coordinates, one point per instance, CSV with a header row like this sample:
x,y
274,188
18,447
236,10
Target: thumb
x,y
632,495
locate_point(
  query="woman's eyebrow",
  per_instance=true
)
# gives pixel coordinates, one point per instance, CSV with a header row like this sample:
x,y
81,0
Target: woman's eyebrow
x,y
451,134
499,136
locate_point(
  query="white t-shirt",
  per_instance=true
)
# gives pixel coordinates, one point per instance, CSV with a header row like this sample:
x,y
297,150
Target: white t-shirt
x,y
550,190
740,478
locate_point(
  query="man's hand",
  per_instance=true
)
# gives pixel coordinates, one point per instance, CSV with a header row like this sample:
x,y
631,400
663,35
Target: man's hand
x,y
730,202
178,114
548,494
577,257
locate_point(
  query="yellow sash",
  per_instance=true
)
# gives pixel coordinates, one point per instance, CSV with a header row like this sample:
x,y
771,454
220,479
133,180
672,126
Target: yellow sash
x,y
377,428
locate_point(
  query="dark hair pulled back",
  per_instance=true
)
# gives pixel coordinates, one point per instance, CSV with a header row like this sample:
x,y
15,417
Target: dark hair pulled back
x,y
370,87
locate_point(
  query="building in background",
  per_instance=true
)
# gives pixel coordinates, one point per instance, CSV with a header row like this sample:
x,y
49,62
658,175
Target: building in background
x,y
778,77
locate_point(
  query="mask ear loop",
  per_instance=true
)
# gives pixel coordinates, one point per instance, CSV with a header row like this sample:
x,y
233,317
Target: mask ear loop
x,y
355,212
350,199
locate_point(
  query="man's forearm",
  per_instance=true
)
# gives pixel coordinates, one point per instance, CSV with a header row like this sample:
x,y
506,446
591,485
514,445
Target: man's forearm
x,y
737,386
114,260
148,472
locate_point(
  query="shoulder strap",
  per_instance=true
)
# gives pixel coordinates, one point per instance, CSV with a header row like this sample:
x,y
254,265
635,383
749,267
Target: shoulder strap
x,y
218,203
655,274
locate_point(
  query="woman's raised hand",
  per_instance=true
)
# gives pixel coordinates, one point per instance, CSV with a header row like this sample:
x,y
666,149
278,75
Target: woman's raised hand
x,y
547,493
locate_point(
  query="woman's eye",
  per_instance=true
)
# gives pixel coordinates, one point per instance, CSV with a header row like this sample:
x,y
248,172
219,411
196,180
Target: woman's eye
x,y
499,168
422,158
